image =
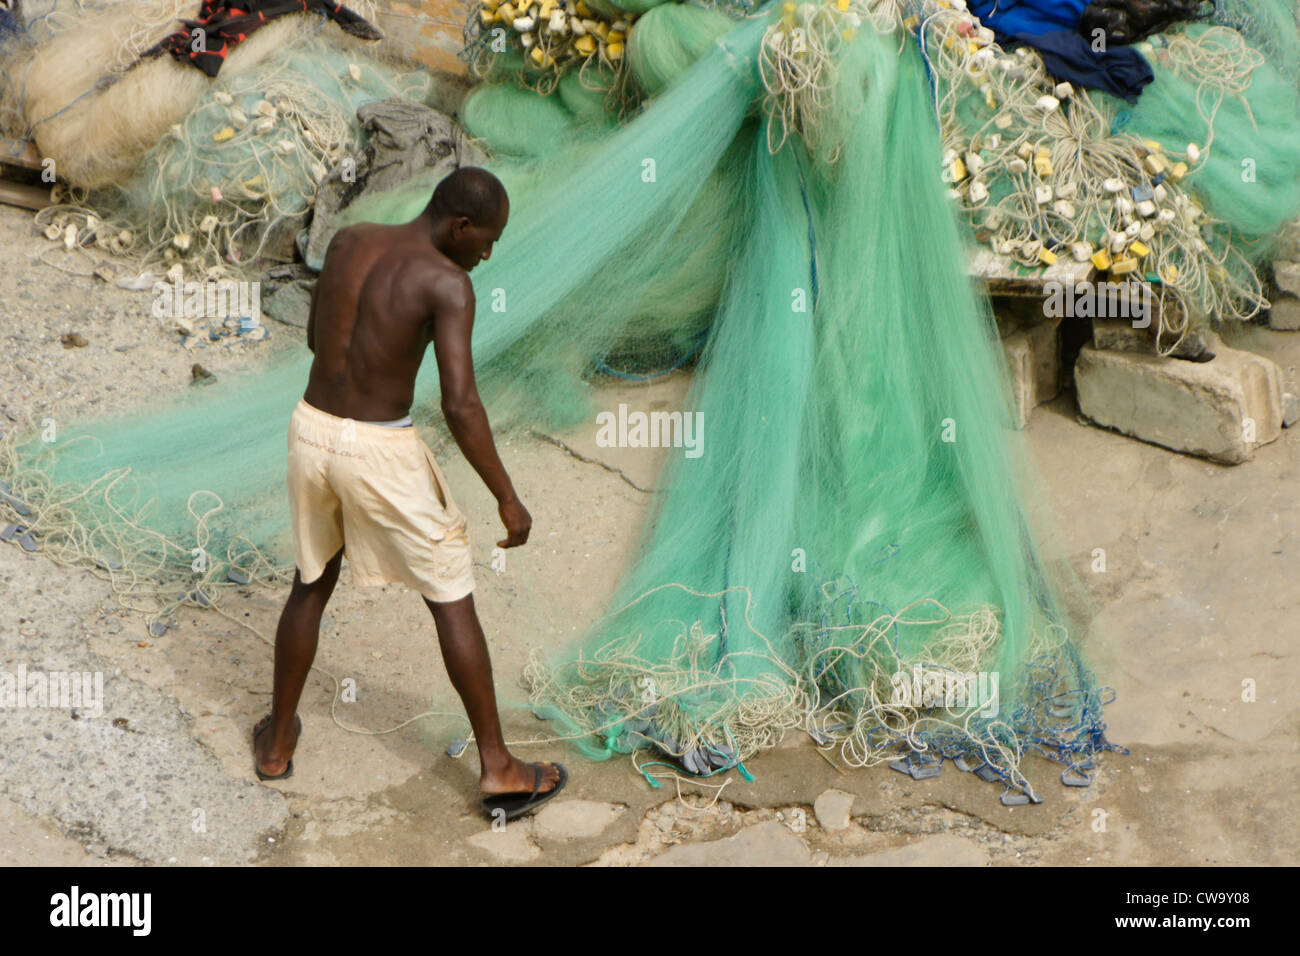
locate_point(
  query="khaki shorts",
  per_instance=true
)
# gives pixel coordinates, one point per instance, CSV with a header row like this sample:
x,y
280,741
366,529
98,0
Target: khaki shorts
x,y
378,493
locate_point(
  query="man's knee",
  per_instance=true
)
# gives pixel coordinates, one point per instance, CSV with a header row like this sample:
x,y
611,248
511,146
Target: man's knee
x,y
323,585
460,609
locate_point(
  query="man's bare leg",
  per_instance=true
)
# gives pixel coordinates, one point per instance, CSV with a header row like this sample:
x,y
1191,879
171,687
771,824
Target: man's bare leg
x,y
295,649
465,654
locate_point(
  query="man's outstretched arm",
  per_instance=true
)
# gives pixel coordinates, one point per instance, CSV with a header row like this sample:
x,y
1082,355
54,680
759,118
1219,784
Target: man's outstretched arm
x,y
453,327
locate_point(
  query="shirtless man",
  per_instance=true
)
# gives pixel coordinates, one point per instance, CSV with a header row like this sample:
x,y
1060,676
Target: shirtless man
x,y
360,479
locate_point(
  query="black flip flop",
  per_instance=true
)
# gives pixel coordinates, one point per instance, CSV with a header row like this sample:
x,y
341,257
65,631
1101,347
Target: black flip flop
x,y
260,726
516,805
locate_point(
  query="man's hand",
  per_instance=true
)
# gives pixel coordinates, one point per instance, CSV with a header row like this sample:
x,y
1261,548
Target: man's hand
x,y
517,520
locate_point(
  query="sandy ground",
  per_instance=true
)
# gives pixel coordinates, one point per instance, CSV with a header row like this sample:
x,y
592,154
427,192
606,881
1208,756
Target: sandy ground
x,y
1199,595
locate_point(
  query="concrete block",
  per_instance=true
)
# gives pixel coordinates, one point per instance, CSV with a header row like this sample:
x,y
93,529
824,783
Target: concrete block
x,y
1045,355
1284,316
1286,276
1288,242
1020,365
1285,297
1222,410
1034,361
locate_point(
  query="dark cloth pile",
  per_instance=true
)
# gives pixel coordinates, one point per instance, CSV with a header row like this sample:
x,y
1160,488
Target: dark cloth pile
x,y
10,18
1128,21
224,23
1064,32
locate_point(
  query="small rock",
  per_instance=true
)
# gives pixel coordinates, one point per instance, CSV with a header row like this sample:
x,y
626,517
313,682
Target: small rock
x,y
833,808
74,340
201,376
290,304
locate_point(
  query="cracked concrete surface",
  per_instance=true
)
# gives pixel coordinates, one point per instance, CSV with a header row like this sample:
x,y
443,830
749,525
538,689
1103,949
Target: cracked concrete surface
x,y
1199,595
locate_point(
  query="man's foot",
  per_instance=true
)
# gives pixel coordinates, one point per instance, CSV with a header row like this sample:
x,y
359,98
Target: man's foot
x,y
519,777
512,805
274,758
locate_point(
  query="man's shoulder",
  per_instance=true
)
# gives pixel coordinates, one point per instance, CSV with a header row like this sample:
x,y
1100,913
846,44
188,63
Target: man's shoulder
x,y
347,244
345,235
449,286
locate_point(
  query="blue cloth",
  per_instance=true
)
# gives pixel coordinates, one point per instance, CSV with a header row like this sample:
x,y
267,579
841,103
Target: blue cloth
x,y
1051,27
9,23
1030,17
1121,71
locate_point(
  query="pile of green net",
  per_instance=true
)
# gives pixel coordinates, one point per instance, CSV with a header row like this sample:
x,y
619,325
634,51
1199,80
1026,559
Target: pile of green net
x,y
1222,118
854,515
1270,26
226,188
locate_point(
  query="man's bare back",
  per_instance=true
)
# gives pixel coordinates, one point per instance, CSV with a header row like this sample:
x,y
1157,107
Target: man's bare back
x,y
380,294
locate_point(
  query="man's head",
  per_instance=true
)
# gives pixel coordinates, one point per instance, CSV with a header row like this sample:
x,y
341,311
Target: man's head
x,y
469,210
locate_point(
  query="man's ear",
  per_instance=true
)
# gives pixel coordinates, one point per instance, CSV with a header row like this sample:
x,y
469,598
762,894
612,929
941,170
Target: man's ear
x,y
461,225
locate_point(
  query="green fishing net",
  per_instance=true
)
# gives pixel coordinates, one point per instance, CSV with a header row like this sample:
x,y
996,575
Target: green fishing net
x,y
1211,144
228,186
